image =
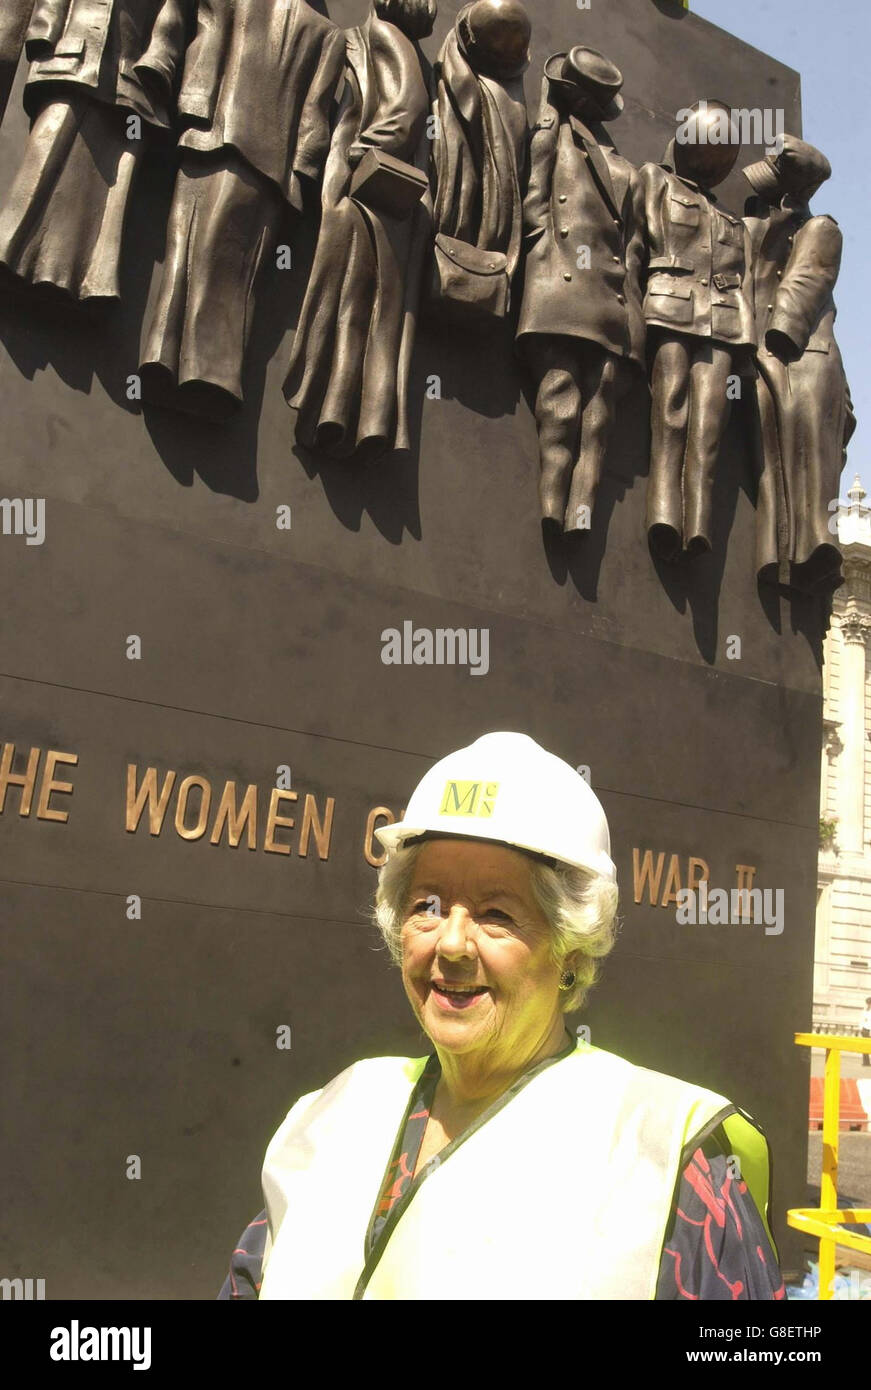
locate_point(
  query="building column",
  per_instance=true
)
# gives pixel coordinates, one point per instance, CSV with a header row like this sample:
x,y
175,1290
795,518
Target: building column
x,y
851,825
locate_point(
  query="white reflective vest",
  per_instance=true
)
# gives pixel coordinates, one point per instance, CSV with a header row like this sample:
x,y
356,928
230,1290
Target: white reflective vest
x,y
563,1193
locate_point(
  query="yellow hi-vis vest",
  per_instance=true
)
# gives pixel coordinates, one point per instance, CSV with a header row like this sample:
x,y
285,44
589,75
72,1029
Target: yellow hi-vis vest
x,y
563,1193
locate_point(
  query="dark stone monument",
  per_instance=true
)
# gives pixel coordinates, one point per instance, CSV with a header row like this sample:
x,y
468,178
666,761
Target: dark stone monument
x,y
194,654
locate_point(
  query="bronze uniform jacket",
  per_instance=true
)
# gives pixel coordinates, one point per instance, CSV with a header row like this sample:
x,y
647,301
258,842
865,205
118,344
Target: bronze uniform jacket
x,y
697,261
796,264
124,52
261,76
581,194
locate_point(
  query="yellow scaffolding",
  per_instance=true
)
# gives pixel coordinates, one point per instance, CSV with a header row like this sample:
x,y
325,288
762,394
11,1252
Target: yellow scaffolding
x,y
825,1221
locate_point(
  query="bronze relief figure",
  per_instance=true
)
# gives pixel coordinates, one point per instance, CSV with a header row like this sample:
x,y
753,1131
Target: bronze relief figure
x,y
479,159
581,328
805,417
348,374
699,312
14,19
255,102
102,77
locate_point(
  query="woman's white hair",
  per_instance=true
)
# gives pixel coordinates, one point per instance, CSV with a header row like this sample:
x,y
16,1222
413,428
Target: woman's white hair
x,y
580,907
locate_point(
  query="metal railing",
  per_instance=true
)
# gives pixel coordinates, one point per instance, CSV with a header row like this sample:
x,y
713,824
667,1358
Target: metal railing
x,y
827,1222
835,1029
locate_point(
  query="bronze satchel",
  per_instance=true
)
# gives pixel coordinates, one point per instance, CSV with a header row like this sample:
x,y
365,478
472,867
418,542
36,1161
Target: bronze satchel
x,y
468,282
471,285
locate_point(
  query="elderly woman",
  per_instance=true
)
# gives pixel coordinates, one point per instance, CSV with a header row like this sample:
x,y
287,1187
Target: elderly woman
x,y
513,1162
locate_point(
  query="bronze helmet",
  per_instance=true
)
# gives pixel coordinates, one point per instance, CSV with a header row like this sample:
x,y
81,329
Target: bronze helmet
x,y
706,161
495,35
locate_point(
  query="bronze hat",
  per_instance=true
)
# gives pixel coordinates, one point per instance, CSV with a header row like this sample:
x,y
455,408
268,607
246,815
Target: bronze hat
x,y
588,70
798,168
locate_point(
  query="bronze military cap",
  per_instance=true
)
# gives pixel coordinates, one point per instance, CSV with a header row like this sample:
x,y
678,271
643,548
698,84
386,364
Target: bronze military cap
x,y
591,72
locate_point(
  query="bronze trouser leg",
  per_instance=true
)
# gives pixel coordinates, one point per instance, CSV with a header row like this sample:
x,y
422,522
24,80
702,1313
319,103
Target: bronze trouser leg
x,y
558,404
601,387
670,388
709,412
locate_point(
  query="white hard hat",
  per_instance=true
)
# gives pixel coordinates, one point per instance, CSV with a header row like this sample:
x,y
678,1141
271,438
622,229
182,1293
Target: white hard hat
x,y
505,787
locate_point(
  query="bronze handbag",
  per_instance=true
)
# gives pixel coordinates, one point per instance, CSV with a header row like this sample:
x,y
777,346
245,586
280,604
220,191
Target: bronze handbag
x,y
470,283
388,185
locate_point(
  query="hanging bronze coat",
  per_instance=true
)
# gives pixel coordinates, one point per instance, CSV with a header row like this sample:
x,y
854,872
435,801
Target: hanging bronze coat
x,y
14,19
805,417
480,157
256,97
95,64
348,374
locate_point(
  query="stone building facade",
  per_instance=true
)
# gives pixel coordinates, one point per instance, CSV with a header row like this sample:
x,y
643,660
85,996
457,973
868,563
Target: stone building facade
x,y
842,963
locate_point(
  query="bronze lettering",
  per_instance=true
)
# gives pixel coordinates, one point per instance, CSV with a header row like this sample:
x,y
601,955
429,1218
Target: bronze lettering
x,y
644,873
275,819
746,874
311,824
377,813
48,785
25,780
698,872
236,821
672,882
147,792
199,830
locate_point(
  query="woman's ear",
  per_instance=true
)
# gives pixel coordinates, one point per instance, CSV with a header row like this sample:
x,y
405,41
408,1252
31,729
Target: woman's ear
x,y
572,961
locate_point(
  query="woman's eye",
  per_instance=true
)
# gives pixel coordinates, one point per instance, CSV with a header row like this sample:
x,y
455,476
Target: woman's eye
x,y
494,914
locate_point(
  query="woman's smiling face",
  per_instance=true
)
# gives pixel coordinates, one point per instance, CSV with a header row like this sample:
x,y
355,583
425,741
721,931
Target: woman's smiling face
x,y
476,950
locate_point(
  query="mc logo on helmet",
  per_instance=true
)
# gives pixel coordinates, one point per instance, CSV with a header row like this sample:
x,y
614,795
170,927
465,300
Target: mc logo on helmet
x,y
468,798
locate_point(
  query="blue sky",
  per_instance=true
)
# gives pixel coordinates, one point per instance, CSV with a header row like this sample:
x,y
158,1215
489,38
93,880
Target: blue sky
x,y
829,45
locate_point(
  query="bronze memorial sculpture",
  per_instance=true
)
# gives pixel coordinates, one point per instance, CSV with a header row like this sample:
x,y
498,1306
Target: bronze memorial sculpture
x,y
348,373
102,77
805,417
699,313
424,200
14,19
479,156
240,169
581,328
